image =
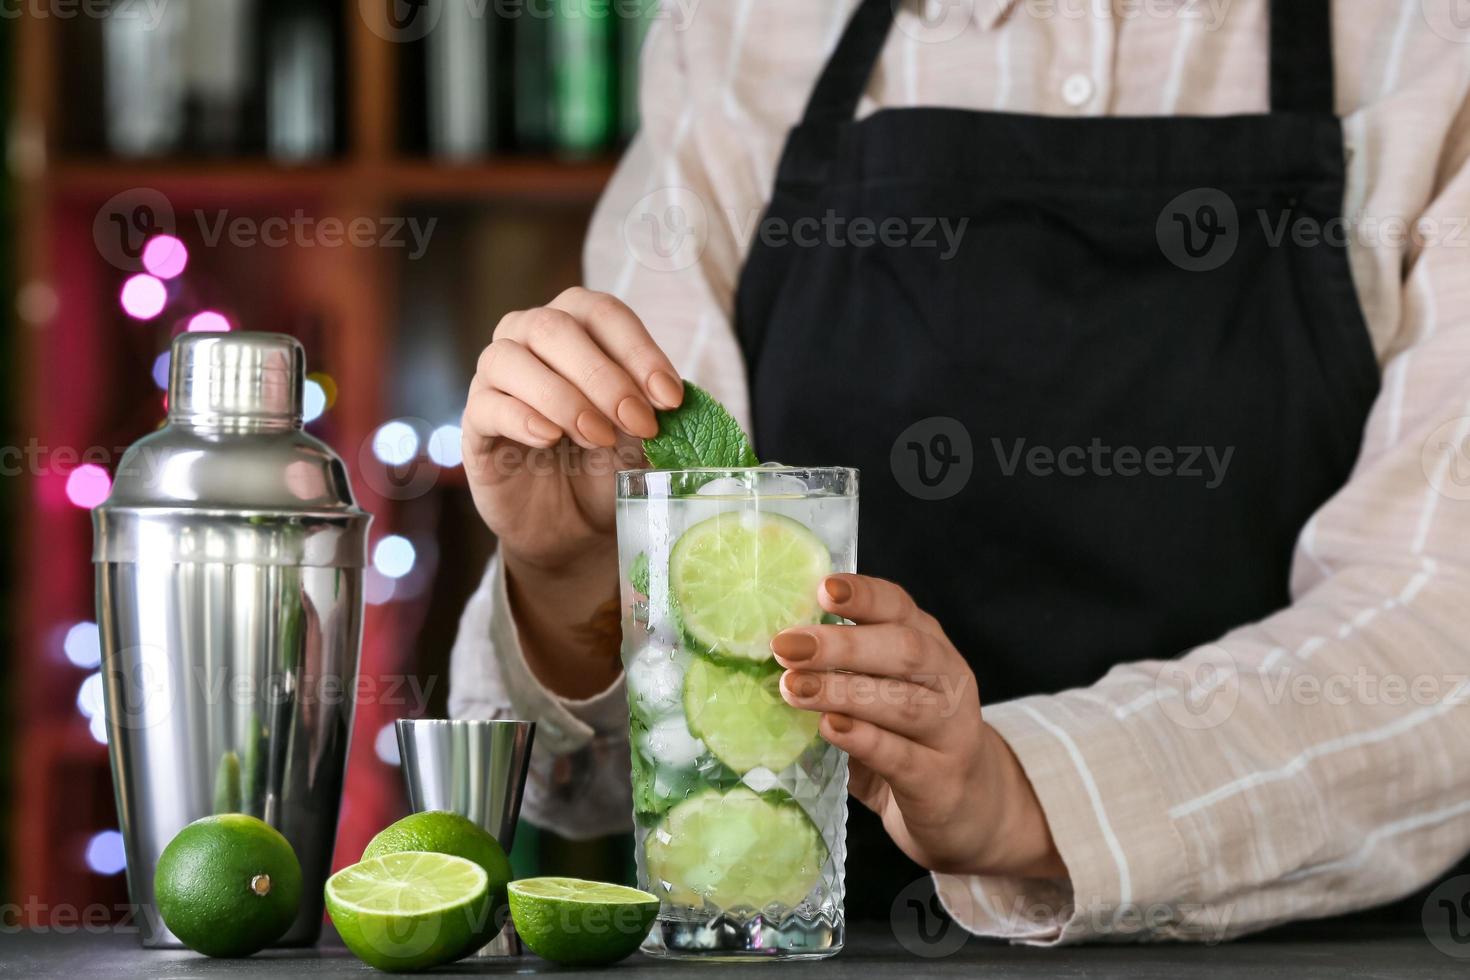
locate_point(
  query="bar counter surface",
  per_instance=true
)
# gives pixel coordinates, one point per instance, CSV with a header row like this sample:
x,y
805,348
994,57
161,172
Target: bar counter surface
x,y
1294,954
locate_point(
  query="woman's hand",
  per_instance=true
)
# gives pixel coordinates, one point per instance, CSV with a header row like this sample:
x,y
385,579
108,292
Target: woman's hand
x,y
558,403
899,698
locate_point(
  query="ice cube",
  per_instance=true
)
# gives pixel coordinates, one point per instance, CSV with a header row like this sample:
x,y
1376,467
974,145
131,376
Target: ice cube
x,y
725,486
668,743
782,485
655,681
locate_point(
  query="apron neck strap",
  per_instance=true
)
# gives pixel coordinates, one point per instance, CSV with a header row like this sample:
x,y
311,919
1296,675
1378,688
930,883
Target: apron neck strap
x,y
1301,59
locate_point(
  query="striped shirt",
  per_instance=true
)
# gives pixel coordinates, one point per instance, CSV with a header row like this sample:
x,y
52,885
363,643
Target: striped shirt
x,y
1300,766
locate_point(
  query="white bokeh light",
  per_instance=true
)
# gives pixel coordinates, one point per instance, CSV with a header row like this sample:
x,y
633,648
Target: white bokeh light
x,y
105,854
83,645
394,556
395,443
377,588
314,401
89,697
386,745
444,446
98,727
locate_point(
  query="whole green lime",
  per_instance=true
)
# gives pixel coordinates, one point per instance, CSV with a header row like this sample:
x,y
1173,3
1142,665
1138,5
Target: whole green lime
x,y
581,923
228,885
443,832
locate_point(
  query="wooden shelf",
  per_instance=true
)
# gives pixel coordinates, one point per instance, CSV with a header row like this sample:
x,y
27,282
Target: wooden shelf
x,y
507,178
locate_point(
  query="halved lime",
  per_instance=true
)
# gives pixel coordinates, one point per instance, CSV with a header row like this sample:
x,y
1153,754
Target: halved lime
x,y
738,712
740,578
734,849
568,920
411,910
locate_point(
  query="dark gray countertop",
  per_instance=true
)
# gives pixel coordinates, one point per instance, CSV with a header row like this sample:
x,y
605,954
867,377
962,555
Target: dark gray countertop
x,y
1381,951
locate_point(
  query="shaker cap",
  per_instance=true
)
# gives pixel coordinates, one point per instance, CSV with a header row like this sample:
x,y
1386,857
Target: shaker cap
x,y
244,377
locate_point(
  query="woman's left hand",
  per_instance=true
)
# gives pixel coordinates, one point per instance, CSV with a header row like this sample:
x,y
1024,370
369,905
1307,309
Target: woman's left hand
x,y
898,697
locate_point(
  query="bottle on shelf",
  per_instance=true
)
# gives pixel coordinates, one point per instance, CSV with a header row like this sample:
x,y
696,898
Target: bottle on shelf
x,y
582,67
461,62
301,65
632,30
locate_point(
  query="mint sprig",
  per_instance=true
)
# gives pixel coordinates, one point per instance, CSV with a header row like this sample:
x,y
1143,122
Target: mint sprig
x,y
699,433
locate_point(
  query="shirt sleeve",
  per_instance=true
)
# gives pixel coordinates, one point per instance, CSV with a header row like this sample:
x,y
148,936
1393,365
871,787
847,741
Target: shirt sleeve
x,y
657,241
1308,764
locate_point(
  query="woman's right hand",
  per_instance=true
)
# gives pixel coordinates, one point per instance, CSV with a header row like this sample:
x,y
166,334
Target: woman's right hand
x,y
558,403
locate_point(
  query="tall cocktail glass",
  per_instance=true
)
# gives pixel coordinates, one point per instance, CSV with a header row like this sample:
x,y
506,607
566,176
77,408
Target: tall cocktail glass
x,y
740,806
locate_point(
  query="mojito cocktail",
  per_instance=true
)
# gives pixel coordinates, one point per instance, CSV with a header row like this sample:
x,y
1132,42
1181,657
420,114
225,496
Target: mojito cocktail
x,y
740,806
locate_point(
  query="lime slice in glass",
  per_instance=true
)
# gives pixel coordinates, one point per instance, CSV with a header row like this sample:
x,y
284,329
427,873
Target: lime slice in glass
x,y
568,920
735,849
740,578
737,710
411,910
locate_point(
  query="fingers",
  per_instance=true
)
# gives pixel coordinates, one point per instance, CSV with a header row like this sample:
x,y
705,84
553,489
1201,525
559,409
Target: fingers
x,y
491,414
898,706
864,599
903,763
562,344
507,366
619,332
879,649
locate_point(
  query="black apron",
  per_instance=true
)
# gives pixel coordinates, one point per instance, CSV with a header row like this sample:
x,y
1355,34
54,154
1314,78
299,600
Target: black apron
x,y
1091,430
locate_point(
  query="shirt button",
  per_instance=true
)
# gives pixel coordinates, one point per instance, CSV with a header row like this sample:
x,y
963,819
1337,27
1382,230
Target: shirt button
x,y
1077,90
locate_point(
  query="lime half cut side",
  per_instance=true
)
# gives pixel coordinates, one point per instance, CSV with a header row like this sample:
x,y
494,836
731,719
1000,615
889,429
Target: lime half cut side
x,y
738,849
571,921
738,711
740,578
409,911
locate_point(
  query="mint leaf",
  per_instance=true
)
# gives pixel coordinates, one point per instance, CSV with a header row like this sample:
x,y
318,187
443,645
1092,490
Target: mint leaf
x,y
699,433
638,573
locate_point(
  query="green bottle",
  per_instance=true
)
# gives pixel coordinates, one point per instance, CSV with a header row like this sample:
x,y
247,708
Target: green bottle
x,y
582,41
632,30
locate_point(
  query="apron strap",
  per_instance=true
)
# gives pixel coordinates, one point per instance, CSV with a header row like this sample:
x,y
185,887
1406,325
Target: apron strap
x,y
1301,56
1301,59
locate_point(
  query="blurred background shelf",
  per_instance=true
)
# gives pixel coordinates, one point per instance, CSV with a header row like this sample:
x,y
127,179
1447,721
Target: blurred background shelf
x,y
492,136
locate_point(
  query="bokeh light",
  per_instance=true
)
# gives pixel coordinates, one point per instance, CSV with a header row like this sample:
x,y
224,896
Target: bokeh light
x,y
88,485
83,645
89,696
394,556
160,370
314,401
395,443
165,256
377,588
386,745
143,297
444,446
105,853
98,727
208,321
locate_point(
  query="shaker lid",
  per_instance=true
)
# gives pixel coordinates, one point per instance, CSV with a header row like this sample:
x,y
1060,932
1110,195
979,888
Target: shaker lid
x,y
243,377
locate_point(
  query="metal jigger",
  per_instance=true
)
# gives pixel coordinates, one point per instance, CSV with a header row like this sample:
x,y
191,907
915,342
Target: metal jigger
x,y
473,768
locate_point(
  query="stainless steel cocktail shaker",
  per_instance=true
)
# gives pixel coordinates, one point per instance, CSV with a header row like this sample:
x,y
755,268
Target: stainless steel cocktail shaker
x,y
229,565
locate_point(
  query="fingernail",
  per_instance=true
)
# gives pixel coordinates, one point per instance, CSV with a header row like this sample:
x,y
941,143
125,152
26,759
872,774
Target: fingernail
x,y
794,646
840,723
665,389
637,417
542,429
838,590
803,685
596,429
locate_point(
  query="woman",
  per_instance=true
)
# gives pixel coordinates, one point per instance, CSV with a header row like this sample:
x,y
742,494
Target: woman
x,y
1073,288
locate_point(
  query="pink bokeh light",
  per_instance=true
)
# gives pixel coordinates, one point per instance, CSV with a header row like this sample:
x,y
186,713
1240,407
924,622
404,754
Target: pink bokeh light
x,y
88,485
165,256
143,297
208,322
